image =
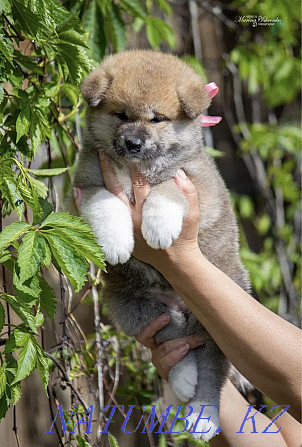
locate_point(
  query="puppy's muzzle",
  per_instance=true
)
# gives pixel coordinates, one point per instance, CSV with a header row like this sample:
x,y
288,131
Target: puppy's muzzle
x,y
133,144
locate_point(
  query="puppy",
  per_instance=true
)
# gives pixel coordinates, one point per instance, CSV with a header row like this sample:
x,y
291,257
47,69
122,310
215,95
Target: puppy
x,y
144,109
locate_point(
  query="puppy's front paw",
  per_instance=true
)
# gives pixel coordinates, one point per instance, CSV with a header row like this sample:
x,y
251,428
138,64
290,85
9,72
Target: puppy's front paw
x,y
183,380
162,222
208,425
117,250
111,222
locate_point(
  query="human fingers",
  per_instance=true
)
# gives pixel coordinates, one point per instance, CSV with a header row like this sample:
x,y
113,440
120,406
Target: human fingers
x,y
141,186
163,363
77,197
110,179
190,224
146,336
192,340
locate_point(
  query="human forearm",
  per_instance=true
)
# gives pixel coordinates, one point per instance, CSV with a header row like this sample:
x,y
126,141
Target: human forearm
x,y
260,344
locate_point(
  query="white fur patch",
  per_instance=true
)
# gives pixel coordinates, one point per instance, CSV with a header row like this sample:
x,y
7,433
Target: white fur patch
x,y
162,221
111,222
203,424
183,381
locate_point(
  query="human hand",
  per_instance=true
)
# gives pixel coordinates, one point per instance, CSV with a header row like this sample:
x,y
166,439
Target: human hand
x,y
186,242
167,354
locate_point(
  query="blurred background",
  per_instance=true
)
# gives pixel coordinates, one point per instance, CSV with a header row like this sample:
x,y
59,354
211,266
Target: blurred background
x,y
252,51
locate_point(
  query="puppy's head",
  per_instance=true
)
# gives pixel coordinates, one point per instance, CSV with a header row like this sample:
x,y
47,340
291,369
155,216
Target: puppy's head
x,y
142,105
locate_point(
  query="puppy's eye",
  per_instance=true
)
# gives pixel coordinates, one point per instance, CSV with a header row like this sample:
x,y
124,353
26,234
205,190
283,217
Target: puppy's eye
x,y
122,116
157,119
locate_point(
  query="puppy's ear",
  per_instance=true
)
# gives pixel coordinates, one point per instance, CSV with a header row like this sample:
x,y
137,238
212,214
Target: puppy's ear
x,y
193,96
95,86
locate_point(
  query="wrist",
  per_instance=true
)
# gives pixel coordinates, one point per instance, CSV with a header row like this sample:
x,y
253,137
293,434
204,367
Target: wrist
x,y
174,262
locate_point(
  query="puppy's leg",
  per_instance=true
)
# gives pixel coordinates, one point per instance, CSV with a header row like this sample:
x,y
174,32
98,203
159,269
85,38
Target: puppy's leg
x,y
183,375
212,372
111,222
163,214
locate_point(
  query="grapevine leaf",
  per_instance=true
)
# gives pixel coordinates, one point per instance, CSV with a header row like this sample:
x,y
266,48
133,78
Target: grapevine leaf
x,y
12,232
31,255
94,25
85,246
15,391
47,298
4,404
72,265
23,122
22,312
26,360
117,27
2,380
43,365
47,172
66,220
16,341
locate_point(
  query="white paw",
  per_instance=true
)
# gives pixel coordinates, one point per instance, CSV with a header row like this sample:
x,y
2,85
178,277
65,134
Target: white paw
x,y
117,250
162,222
205,428
111,222
183,381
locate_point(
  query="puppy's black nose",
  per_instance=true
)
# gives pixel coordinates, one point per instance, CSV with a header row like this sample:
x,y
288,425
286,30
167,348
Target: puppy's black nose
x,y
133,144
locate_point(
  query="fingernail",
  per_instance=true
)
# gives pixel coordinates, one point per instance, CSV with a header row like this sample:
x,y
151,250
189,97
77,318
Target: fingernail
x,y
183,348
181,174
102,156
75,192
163,318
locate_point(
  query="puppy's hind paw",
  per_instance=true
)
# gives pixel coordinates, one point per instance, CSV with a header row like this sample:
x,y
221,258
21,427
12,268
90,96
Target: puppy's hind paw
x,y
204,421
183,381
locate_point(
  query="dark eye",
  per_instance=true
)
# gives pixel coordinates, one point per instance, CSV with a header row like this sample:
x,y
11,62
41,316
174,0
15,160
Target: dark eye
x,y
157,119
122,116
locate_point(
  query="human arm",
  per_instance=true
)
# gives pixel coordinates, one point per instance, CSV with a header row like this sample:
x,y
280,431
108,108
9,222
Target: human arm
x,y
261,345
233,407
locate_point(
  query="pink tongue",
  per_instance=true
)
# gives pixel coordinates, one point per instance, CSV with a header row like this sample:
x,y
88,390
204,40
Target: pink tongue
x,y
206,120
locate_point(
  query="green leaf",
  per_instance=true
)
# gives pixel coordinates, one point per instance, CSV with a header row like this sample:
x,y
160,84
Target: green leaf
x,y
117,28
43,365
47,209
47,298
5,6
4,404
2,317
72,265
15,391
134,7
2,380
26,361
66,220
81,442
94,25
31,254
12,194
47,172
6,48
84,245
157,31
112,440
23,122
25,314
12,232
164,6
16,341
28,20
